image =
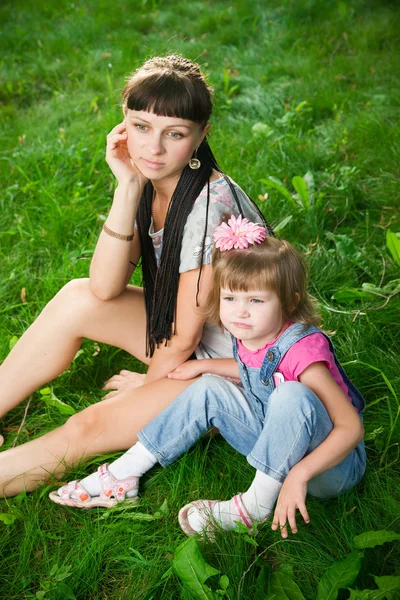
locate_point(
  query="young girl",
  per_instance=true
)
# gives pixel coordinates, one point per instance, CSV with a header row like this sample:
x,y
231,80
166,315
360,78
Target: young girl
x,y
170,196
296,417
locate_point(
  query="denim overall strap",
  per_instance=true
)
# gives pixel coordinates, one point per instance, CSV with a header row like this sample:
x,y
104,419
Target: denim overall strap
x,y
356,396
273,357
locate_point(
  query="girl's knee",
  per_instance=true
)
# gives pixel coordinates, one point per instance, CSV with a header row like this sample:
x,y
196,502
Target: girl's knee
x,y
293,395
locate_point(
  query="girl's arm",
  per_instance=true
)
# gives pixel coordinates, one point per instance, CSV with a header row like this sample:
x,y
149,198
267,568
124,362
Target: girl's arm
x,y
189,325
346,434
225,367
111,267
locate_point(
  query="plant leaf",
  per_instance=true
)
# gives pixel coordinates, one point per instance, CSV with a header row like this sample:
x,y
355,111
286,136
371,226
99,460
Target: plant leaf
x,y
224,582
370,539
277,184
262,581
349,294
163,511
390,584
193,570
51,400
12,342
283,586
262,130
301,188
339,575
365,595
8,518
393,244
282,224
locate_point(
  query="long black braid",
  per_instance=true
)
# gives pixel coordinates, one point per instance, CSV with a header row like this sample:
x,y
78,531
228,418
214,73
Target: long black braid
x,y
161,284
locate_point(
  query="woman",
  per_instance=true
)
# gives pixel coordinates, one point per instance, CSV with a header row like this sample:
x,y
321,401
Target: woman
x,y
170,196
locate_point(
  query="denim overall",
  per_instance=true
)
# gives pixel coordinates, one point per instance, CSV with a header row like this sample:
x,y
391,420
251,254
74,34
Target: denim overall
x,y
273,427
259,383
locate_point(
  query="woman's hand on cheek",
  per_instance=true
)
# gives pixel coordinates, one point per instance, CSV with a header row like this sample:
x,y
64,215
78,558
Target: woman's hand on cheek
x,y
118,158
291,498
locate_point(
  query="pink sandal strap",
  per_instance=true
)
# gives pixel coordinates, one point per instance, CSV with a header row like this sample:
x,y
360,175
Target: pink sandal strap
x,y
76,488
116,488
244,515
204,506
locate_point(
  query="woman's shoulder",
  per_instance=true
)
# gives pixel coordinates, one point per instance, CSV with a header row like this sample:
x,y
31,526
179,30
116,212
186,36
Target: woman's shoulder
x,y
223,190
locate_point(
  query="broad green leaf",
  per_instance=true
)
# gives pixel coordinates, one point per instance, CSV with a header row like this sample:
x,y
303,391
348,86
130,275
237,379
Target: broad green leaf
x,y
193,570
63,591
282,224
8,518
224,582
250,540
51,400
390,584
301,188
392,287
262,130
277,184
339,575
163,511
283,586
365,595
12,342
349,294
262,582
393,244
370,539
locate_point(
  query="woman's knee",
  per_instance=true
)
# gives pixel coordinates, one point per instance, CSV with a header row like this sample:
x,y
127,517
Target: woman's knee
x,y
85,425
74,300
74,292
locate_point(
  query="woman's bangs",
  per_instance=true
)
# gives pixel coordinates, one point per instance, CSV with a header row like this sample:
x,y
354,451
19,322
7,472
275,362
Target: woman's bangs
x,y
168,96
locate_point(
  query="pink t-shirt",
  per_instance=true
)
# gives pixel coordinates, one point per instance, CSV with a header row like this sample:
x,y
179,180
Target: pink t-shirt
x,y
312,348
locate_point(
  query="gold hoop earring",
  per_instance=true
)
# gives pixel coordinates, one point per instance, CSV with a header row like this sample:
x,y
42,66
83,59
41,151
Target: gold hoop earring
x,y
194,162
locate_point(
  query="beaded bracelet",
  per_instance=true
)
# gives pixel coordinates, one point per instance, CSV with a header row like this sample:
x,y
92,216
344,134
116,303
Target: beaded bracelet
x,y
119,236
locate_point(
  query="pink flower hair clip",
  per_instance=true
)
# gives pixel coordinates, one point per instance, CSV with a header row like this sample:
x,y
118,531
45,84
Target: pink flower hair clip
x,y
238,233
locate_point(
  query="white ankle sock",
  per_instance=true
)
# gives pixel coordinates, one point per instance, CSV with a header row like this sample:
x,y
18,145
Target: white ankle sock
x,y
259,501
136,461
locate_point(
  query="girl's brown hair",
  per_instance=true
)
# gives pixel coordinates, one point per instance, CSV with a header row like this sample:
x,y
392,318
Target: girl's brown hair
x,y
272,265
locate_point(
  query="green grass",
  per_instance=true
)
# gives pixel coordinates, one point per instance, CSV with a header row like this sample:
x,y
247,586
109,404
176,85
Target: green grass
x,y
323,79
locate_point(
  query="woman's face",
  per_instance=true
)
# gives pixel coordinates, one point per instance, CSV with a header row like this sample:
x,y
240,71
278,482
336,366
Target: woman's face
x,y
161,147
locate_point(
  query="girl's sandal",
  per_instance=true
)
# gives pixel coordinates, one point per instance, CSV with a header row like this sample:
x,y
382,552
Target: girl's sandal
x,y
112,491
205,507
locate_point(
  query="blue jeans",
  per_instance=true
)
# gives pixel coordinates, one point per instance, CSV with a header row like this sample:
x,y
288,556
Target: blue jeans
x,y
294,423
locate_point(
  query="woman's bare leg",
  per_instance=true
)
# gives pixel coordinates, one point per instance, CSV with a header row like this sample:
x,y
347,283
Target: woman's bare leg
x,y
47,348
108,426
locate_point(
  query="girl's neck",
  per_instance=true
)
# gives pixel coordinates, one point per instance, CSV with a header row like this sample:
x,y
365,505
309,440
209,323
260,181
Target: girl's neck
x,y
271,338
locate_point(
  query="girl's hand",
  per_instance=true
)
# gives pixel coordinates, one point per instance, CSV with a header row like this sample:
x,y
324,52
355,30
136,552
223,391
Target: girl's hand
x,y
118,158
188,370
125,380
292,497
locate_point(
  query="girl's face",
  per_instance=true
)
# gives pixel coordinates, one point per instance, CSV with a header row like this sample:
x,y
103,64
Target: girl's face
x,y
254,317
161,147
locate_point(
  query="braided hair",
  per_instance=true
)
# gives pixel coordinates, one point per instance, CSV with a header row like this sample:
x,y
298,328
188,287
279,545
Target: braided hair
x,y
172,86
